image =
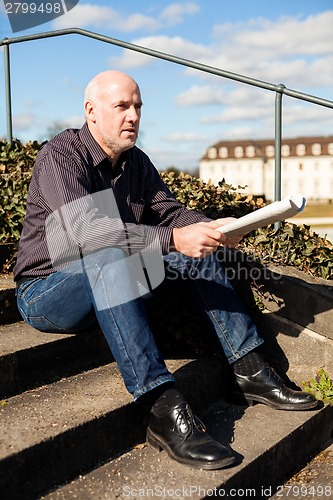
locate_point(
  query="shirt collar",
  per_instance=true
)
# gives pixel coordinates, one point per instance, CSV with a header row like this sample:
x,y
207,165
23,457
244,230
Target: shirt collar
x,y
97,153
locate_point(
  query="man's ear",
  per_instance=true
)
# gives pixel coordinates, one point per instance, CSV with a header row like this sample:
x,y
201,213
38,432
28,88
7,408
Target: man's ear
x,y
89,111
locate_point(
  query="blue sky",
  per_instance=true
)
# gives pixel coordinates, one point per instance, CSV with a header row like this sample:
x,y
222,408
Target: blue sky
x,y
185,111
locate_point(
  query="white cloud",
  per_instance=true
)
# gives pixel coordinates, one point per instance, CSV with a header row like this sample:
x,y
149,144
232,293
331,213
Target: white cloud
x,y
171,45
276,52
84,15
75,121
285,50
186,137
98,16
174,13
23,121
222,95
239,114
164,158
202,95
241,132
298,112
312,35
136,22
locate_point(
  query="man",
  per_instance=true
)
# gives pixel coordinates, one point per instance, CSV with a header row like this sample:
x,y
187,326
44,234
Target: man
x,y
98,221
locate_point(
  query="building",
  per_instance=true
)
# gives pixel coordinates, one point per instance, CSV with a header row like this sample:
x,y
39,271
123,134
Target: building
x,y
306,166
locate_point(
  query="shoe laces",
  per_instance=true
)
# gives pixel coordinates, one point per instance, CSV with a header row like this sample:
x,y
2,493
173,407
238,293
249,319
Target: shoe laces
x,y
185,421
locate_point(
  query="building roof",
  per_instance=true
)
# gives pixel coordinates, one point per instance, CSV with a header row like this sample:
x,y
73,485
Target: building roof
x,y
257,148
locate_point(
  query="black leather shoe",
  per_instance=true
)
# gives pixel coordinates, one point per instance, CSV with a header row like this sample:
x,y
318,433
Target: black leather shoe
x,y
268,388
183,436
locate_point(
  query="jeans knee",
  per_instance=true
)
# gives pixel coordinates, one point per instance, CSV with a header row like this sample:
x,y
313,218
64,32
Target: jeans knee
x,y
106,256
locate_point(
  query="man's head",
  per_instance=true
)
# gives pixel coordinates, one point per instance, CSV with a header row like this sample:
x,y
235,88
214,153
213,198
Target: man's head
x,y
112,105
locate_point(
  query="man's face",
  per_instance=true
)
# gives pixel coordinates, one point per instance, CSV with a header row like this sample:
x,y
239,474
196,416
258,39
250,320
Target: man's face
x,y
116,116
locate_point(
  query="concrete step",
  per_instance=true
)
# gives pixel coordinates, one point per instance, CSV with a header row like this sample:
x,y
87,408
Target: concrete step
x,y
8,309
60,432
29,358
270,445
304,299
52,433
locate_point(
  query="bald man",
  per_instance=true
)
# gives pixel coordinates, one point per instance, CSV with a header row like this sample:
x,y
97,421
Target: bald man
x,y
102,234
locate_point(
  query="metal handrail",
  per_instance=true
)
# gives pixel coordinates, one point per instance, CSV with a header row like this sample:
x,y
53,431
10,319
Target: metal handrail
x,y
279,89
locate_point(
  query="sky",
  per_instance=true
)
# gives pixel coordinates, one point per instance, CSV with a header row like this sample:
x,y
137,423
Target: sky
x,y
185,111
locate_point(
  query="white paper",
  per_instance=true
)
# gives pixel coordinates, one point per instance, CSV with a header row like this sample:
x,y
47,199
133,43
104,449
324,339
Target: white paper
x,y
274,212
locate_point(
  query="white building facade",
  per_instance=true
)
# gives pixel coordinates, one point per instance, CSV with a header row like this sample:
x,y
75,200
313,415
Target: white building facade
x,y
306,166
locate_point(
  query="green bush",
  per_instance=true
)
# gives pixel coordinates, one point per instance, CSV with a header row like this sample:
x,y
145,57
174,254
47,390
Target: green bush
x,y
290,245
16,164
293,245
321,386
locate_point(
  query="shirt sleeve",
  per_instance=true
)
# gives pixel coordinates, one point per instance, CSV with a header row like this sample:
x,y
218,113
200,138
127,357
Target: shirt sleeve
x,y
79,220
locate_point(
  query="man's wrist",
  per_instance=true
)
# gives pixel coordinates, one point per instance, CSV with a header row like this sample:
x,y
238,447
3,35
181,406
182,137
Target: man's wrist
x,y
172,246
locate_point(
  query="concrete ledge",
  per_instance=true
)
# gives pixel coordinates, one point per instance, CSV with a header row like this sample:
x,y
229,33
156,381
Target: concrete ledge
x,y
8,308
270,445
29,358
296,350
55,432
303,299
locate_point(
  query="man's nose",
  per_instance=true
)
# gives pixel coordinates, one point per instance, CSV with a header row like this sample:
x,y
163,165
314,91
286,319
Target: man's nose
x,y
133,114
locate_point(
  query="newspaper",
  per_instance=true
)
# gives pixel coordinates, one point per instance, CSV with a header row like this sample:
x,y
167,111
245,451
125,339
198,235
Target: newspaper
x,y
274,212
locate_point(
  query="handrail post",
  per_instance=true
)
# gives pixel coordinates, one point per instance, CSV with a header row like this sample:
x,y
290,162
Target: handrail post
x,y
278,141
8,94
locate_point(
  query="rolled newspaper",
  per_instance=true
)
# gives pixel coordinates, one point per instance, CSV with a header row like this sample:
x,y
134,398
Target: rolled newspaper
x,y
274,212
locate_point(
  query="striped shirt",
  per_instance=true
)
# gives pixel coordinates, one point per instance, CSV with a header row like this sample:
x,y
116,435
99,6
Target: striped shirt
x,y
78,202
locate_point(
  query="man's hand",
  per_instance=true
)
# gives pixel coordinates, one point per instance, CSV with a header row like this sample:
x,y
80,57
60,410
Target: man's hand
x,y
201,239
228,241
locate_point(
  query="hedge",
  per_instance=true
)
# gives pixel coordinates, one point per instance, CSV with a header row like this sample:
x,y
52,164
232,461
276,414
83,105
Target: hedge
x,y
291,244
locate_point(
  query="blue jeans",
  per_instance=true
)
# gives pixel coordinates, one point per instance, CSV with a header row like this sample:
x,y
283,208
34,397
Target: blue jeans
x,y
67,301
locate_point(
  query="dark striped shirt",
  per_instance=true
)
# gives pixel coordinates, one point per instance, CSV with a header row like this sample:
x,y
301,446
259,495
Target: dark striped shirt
x,y
78,202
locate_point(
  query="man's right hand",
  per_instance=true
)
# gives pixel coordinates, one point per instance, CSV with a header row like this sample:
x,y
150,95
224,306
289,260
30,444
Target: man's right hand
x,y
196,240
202,239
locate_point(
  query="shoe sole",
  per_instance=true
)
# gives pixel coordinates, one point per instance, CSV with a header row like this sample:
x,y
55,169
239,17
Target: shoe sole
x,y
155,442
251,399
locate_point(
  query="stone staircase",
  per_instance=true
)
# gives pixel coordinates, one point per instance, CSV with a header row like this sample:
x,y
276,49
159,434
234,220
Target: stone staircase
x,y
69,429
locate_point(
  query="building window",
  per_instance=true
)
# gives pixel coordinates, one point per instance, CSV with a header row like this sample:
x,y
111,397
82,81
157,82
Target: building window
x,y
300,149
316,149
212,153
330,148
270,151
238,152
223,152
250,151
300,166
285,150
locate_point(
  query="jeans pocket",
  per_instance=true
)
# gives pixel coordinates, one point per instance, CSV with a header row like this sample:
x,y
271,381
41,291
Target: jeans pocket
x,y
25,290
40,323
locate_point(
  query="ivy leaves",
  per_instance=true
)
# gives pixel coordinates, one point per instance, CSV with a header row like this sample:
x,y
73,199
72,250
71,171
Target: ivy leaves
x,y
321,386
290,245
